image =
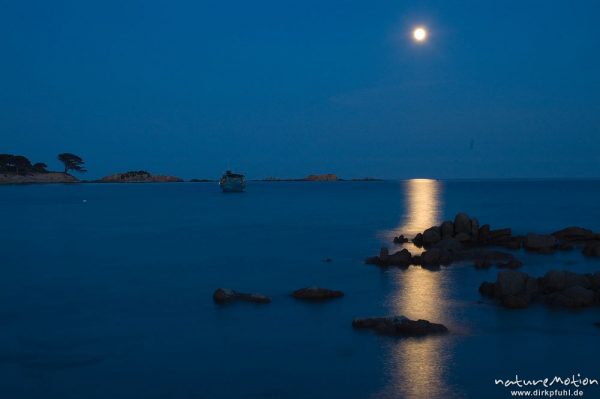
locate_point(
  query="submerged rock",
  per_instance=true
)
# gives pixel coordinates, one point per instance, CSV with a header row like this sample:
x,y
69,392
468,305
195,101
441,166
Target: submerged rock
x,y
226,295
399,326
316,293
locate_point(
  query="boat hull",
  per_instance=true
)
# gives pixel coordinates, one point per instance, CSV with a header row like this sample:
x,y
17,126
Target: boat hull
x,y
232,185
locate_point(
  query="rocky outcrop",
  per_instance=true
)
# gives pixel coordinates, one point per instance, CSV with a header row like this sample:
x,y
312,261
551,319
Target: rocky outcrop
x,y
468,233
33,178
400,258
562,288
443,253
227,295
140,176
400,239
399,326
316,293
575,234
543,243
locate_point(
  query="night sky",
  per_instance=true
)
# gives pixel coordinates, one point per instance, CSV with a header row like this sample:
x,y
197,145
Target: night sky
x,y
280,88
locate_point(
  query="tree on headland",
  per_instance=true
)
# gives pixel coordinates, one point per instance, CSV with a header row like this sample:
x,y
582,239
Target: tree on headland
x,y
72,162
40,167
18,164
22,164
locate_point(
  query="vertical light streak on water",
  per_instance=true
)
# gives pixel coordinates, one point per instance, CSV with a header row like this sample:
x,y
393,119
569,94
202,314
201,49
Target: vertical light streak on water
x,y
418,365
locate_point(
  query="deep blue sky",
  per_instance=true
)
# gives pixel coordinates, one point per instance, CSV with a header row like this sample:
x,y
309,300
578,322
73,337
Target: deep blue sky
x,y
290,88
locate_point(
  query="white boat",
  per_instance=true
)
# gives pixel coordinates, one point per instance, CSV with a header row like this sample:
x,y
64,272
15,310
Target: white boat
x,y
232,182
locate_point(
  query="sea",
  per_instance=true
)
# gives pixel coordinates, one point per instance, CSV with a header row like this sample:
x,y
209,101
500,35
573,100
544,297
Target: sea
x,y
106,291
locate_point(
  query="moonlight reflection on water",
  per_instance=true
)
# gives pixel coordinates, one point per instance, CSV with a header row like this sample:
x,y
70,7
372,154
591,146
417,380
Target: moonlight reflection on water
x,y
418,366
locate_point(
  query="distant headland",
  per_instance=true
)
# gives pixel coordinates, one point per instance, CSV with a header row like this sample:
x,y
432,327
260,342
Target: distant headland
x,y
323,177
18,169
140,176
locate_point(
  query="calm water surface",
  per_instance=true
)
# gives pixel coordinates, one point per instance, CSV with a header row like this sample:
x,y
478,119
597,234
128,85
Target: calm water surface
x,y
105,291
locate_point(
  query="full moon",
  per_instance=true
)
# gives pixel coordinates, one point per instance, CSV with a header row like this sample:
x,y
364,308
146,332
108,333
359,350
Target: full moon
x,y
420,34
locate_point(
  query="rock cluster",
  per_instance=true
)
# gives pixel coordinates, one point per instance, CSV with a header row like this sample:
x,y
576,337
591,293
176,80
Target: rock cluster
x,y
316,293
467,232
400,239
399,326
227,295
444,253
514,289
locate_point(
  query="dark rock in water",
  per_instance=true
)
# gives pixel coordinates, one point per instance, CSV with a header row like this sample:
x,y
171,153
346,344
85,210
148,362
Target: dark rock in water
x,y
484,232
574,234
316,293
462,224
572,297
447,229
431,236
462,237
540,243
399,326
226,295
436,257
399,258
450,244
592,249
510,283
400,239
557,280
418,240
556,288
474,229
498,236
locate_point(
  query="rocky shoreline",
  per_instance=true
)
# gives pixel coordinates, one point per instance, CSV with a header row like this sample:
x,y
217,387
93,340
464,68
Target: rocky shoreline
x,y
38,178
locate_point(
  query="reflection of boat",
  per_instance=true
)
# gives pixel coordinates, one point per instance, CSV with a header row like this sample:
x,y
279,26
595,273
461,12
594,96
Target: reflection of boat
x,y
232,182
